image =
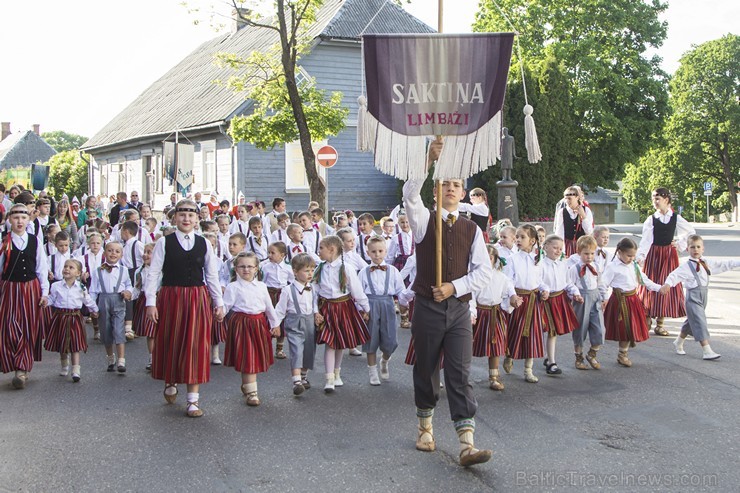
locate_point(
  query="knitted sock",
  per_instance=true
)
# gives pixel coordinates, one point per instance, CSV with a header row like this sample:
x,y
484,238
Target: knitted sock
x,y
465,429
425,423
171,390
551,349
76,370
707,349
111,359
493,372
295,378
250,387
679,342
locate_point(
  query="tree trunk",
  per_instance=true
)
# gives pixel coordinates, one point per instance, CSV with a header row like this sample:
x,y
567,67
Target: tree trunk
x,y
316,186
729,178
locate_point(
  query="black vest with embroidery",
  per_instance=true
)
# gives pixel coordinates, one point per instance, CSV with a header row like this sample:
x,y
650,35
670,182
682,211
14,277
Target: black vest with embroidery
x,y
21,267
183,268
572,230
663,233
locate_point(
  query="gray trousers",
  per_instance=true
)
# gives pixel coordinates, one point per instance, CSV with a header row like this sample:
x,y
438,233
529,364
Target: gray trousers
x,y
439,327
383,325
591,317
300,331
112,311
696,317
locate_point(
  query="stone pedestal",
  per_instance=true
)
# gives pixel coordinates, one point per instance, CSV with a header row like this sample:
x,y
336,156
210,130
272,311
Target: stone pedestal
x,y
508,205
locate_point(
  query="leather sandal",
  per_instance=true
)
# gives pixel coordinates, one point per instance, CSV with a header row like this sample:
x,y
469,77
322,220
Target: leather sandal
x,y
253,399
195,413
472,456
494,383
426,445
660,331
580,364
591,358
623,360
508,364
552,369
170,398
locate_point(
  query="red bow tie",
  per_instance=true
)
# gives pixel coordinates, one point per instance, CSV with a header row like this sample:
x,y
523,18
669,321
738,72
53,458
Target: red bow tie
x,y
107,267
376,267
699,264
297,249
307,288
367,238
589,267
387,237
601,252
315,226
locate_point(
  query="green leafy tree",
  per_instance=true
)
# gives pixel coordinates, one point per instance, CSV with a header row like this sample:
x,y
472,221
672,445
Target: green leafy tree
x,y
284,110
704,129
68,174
540,185
63,141
618,94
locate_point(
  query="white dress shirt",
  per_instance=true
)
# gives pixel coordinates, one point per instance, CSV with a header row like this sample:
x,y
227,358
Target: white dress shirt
x,y
89,259
250,297
211,268
306,300
361,246
409,270
329,285
279,234
591,281
480,271
256,248
498,292
42,268
394,248
61,295
683,231
353,259
133,249
524,273
683,273
587,223
276,275
239,226
395,283
56,264
311,238
296,248
477,209
555,277
619,275
110,279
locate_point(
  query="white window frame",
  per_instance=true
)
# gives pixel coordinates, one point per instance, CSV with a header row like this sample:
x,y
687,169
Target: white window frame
x,y
296,180
302,77
208,168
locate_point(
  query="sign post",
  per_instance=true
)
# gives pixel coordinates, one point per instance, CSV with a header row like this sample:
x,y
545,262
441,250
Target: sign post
x,y
707,193
693,197
327,157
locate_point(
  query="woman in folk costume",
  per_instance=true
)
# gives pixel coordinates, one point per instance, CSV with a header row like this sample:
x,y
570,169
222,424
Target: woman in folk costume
x,y
658,254
573,219
183,309
478,210
24,289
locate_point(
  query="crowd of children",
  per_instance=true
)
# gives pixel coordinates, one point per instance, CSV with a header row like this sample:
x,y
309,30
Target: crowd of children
x,y
242,277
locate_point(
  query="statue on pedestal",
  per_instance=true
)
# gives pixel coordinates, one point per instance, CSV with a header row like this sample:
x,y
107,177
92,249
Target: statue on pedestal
x,y
508,206
508,153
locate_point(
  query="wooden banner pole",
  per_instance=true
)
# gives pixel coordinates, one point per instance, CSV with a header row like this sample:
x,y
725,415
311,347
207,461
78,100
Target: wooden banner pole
x,y
438,256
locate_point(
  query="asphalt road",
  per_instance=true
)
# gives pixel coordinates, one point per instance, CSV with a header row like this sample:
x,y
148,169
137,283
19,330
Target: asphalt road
x,y
666,424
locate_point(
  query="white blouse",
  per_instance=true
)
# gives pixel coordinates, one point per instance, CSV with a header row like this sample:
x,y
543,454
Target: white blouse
x,y
498,292
524,273
394,247
276,275
619,275
683,231
587,223
353,259
250,297
61,295
329,285
555,277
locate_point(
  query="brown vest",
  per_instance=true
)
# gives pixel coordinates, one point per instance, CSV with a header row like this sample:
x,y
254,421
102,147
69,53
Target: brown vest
x,y
457,241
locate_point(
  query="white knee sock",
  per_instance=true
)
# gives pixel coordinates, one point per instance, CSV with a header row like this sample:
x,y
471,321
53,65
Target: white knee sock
x,y
551,340
329,359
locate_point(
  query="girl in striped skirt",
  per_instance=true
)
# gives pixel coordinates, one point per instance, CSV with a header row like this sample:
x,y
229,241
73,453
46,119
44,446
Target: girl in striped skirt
x,y
527,323
559,316
66,333
339,323
658,254
143,327
277,274
249,342
489,331
24,287
183,309
624,316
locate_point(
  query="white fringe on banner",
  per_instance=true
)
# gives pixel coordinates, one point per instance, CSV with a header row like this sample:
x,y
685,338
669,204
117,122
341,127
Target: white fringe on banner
x,y
530,136
465,155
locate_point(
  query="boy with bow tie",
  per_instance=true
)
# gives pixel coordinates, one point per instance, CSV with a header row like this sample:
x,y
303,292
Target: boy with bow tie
x,y
694,274
380,282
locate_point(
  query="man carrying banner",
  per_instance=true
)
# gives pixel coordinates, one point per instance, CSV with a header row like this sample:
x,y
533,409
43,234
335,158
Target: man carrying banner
x,y
441,320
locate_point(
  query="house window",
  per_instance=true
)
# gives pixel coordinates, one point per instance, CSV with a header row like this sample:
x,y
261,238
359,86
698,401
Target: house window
x,y
159,175
103,180
296,180
302,78
208,156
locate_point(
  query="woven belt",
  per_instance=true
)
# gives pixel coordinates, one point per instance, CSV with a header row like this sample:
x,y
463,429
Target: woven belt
x,y
341,299
532,295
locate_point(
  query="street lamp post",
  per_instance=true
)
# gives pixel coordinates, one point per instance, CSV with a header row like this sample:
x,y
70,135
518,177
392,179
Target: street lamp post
x,y
693,197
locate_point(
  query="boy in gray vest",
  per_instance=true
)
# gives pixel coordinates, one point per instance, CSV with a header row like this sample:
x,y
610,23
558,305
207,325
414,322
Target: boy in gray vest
x,y
441,320
298,306
112,288
694,274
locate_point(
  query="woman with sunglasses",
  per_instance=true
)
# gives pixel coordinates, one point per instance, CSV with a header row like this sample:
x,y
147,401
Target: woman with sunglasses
x,y
573,218
664,234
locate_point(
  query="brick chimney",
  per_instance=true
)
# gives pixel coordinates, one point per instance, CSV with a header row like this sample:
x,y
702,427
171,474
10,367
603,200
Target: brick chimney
x,y
6,130
237,17
36,128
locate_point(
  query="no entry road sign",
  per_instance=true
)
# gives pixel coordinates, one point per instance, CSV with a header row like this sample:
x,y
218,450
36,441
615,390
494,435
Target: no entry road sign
x,y
327,156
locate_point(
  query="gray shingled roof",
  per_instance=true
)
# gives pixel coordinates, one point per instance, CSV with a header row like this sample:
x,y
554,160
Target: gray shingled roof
x,y
24,149
186,96
600,196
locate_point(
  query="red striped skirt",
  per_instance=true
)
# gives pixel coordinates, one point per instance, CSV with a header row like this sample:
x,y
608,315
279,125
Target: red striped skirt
x,y
143,327
625,319
249,343
489,332
219,331
275,297
45,321
659,262
66,332
524,339
570,247
559,316
20,340
343,326
182,343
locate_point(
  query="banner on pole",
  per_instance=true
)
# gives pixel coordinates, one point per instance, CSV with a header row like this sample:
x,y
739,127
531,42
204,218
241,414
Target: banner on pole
x,y
185,153
168,158
422,85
